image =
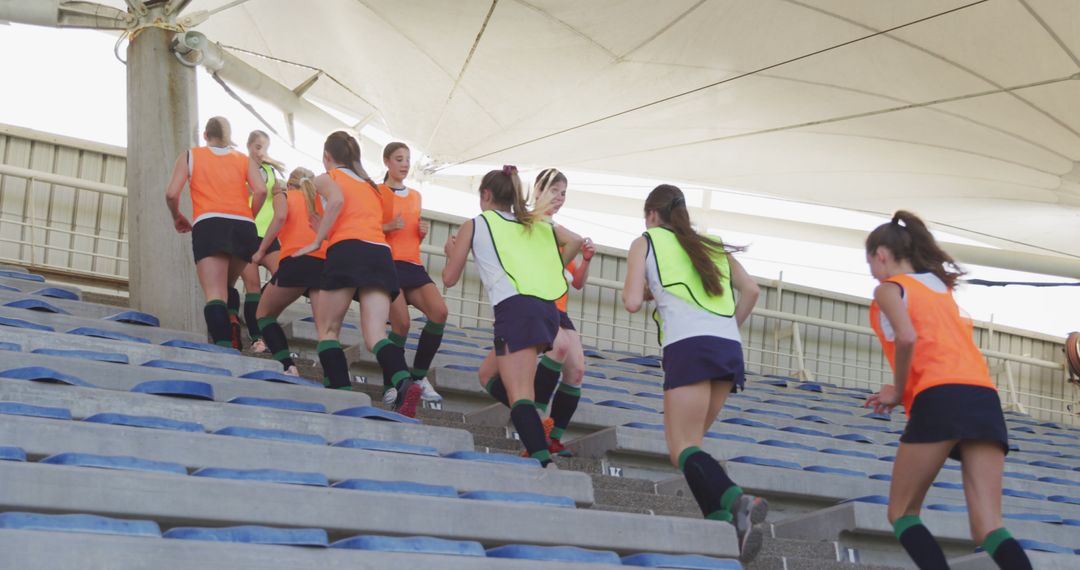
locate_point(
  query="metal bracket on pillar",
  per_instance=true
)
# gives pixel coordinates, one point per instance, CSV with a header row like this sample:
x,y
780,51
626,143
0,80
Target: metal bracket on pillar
x,y
1014,398
796,340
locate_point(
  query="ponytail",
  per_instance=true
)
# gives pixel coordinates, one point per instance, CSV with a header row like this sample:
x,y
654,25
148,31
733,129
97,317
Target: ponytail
x,y
507,192
908,238
304,180
670,205
344,149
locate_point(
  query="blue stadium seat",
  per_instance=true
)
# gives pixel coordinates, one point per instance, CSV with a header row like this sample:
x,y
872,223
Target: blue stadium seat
x,y
829,410
857,437
36,305
766,462
151,422
1064,499
948,485
390,446
462,367
611,389
879,429
20,275
401,487
555,554
1022,494
1059,481
135,318
650,361
373,413
638,381
200,346
79,523
877,416
948,508
524,498
108,335
177,388
1038,546
114,357
1034,517
835,471
1050,465
614,367
871,499
8,453
680,562
748,423
265,475
594,374
627,406
414,544
643,425
10,288
848,453
17,409
881,477
594,353
56,293
729,437
815,419
272,435
493,458
810,387
773,381
315,537
42,374
271,376
187,367
21,324
1022,429
10,346
786,444
652,395
280,404
805,431
120,462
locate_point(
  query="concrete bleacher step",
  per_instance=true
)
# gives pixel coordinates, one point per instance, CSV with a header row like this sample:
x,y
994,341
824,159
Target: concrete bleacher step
x,y
1040,560
64,323
186,500
675,506
76,308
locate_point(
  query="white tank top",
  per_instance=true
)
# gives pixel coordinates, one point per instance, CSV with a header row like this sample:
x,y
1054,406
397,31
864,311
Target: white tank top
x,y
684,320
496,282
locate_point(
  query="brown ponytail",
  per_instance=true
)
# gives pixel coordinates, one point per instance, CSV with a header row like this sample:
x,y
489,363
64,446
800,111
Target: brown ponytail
x,y
344,149
304,180
670,205
506,192
907,237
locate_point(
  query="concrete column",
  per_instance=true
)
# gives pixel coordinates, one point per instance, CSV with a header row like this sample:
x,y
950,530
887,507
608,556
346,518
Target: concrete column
x,y
162,123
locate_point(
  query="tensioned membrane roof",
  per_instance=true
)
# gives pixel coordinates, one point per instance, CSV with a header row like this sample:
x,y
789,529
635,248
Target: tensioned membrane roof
x,y
967,112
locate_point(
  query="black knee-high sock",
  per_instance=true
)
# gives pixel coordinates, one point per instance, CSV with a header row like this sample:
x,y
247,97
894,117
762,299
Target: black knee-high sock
x,y
714,491
234,301
216,313
396,339
391,358
530,429
919,543
334,364
563,407
276,341
430,339
1006,551
497,390
547,378
251,306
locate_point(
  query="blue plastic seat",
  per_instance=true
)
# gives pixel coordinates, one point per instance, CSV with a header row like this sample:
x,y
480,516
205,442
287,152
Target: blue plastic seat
x,y
373,413
401,487
253,535
135,318
805,431
10,288
771,381
615,367
594,374
650,361
10,346
786,444
1050,465
493,458
810,387
42,374
177,388
79,523
150,422
815,419
948,508
21,324
871,499
1022,494
848,453
280,404
729,437
1059,481
680,562
835,471
523,498
555,554
881,477
1064,499
948,485
200,346
857,437
187,367
119,462
36,305
390,446
272,376
1034,517
627,406
769,413
611,389
748,423
114,357
786,403
638,381
1038,546
8,453
1022,429
109,335
21,275
643,425
265,475
766,462
17,409
877,416
462,367
829,410
56,293
414,544
649,395
878,429
272,435
591,353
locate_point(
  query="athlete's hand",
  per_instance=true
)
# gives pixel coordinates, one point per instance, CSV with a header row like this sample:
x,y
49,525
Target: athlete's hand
x,y
884,401
257,257
395,224
313,221
588,249
313,246
450,241
181,224
425,227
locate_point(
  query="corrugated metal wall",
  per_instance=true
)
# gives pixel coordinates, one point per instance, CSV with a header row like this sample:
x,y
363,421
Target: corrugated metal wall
x,y
79,230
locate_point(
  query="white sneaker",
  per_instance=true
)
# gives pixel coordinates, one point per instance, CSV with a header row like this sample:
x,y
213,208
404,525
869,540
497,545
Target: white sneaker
x,y
429,394
259,347
389,396
292,371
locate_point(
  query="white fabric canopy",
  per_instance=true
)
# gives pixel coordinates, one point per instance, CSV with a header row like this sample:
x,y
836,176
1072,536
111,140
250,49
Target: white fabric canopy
x,y
965,112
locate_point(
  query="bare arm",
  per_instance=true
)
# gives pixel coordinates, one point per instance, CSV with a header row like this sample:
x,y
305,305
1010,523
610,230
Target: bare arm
x,y
748,290
281,213
335,200
581,272
258,187
172,193
570,242
457,253
633,293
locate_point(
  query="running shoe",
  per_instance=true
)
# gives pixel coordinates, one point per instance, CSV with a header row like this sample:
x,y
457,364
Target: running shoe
x,y
557,448
389,396
292,371
429,394
259,347
549,424
408,396
748,512
234,330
